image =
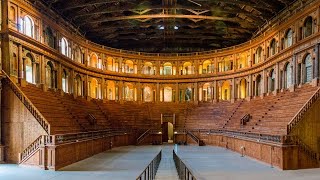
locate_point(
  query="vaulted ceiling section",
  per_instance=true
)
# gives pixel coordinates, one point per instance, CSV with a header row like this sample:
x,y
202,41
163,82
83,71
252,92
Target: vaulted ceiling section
x,y
168,25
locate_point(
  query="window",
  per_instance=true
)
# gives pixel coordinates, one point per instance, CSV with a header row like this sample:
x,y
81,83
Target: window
x,y
257,57
28,26
308,70
64,46
288,75
288,38
50,75
308,27
64,81
49,38
273,46
29,68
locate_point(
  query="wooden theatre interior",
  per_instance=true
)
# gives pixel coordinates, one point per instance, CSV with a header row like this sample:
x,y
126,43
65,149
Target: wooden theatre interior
x,y
80,77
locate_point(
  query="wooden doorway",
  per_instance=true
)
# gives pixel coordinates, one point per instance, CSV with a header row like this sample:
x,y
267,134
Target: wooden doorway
x,y
167,125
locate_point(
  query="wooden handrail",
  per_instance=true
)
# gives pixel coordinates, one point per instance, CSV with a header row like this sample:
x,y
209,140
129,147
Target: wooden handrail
x,y
195,138
143,135
31,149
184,172
27,103
300,114
150,171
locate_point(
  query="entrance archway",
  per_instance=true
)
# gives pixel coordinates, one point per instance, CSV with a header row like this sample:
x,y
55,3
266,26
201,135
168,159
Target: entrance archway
x,y
167,127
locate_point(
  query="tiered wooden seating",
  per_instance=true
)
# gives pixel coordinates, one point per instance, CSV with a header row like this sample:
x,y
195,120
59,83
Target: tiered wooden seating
x,y
49,105
270,114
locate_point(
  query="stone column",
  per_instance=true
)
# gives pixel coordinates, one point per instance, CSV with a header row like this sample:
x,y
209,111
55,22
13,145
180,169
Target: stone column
x,y
232,90
196,95
216,91
177,93
120,91
294,69
139,93
316,63
20,63
250,87
158,93
277,80
1,146
59,76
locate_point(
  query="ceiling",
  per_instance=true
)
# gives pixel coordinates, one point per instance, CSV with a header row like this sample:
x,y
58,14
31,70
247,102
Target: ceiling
x,y
167,25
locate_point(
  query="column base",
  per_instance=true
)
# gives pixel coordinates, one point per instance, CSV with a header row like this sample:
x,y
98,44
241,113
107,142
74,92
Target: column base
x,y
23,83
314,82
248,98
2,154
232,100
292,88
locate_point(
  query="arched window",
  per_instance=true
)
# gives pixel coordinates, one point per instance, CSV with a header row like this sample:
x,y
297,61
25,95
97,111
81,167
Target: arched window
x,y
65,82
288,38
288,75
64,46
225,91
187,68
148,69
207,67
128,67
28,26
94,88
259,85
168,97
147,94
94,60
129,92
308,26
78,55
272,80
308,70
206,92
111,90
50,75
273,46
167,69
29,68
258,55
243,88
188,94
49,37
78,85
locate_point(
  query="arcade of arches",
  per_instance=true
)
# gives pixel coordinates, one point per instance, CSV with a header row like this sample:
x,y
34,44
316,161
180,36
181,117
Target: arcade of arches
x,y
63,89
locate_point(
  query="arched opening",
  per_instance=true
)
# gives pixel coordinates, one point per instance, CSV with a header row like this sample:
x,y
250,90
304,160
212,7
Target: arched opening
x,y
243,89
129,92
28,63
288,39
78,55
94,88
14,64
225,93
242,63
258,56
49,37
206,92
147,94
288,76
207,67
187,68
273,46
64,46
28,26
12,14
111,90
168,97
272,80
128,67
78,85
50,75
167,69
94,60
110,64
308,69
65,82
308,27
188,94
258,84
148,69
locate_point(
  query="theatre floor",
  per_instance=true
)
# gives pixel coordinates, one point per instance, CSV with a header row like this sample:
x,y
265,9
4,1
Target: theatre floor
x,y
128,162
